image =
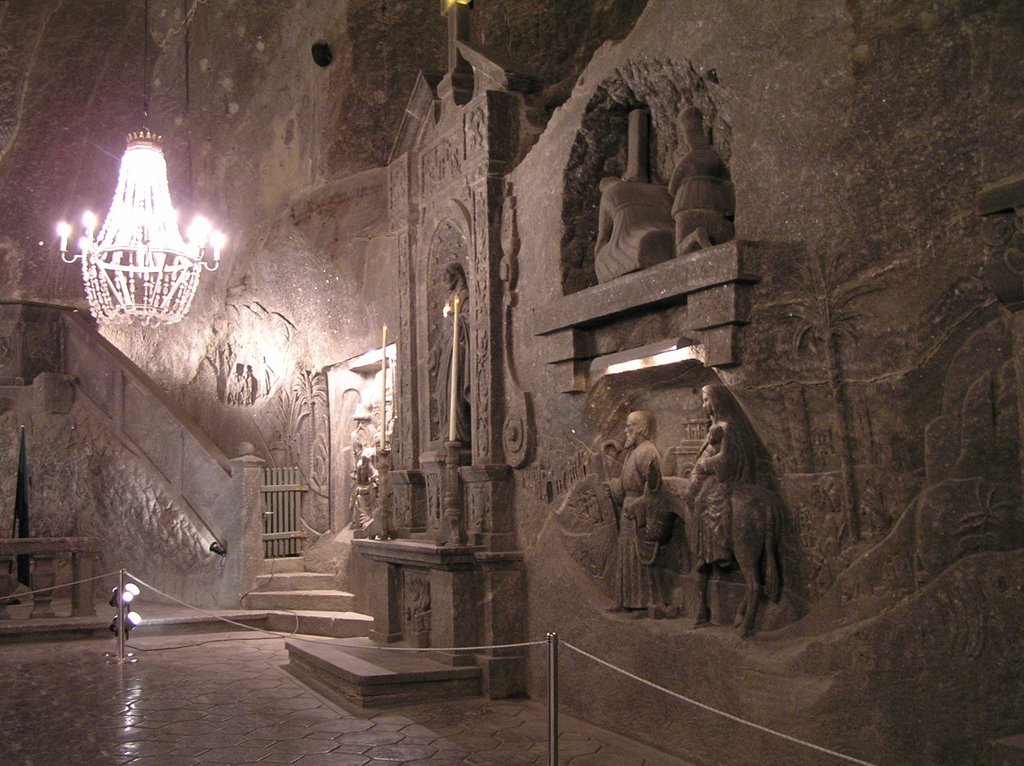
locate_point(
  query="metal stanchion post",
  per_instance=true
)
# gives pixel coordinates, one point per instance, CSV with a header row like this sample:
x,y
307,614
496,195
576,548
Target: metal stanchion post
x,y
120,615
552,699
120,622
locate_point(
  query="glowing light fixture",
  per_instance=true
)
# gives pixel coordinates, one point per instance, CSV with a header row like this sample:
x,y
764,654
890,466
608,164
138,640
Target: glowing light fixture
x,y
139,268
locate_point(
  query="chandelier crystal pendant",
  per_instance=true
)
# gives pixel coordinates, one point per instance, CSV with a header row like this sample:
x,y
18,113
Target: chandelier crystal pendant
x,y
138,267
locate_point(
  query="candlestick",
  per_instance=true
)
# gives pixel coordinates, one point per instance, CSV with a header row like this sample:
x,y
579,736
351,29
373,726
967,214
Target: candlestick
x,y
452,421
384,389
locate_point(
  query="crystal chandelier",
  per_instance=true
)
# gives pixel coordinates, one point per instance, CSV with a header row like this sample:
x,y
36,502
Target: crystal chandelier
x,y
139,268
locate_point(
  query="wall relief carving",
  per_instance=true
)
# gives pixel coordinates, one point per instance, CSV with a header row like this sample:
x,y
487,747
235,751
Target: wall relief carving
x,y
300,435
659,533
826,313
248,354
601,150
416,611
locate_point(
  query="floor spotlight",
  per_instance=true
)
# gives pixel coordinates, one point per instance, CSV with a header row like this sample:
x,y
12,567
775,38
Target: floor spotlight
x,y
216,547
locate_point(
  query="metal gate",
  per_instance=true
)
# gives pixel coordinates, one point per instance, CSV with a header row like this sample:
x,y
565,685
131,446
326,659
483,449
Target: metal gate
x,y
282,505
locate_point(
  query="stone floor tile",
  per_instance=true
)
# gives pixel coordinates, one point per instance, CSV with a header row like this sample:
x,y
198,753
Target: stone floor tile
x,y
400,752
418,730
305,746
351,749
191,727
503,758
147,747
281,731
232,755
161,760
389,718
342,725
312,714
371,737
609,758
518,737
425,740
333,758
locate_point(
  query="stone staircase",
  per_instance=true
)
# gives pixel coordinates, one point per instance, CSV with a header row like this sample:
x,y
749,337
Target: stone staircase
x,y
308,602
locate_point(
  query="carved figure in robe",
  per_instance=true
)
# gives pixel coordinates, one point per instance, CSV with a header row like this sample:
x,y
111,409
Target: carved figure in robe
x,y
736,518
634,227
727,457
236,385
636,587
440,360
703,202
364,476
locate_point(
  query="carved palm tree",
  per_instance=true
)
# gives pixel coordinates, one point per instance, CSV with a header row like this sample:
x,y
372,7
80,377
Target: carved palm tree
x,y
826,315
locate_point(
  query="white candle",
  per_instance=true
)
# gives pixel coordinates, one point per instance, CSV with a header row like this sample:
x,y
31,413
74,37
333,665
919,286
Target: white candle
x,y
63,229
452,422
384,389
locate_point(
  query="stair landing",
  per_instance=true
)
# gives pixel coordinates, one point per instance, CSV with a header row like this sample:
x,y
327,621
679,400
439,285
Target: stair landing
x,y
356,673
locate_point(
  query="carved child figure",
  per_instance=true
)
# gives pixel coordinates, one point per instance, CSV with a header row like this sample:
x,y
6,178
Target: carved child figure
x,y
703,198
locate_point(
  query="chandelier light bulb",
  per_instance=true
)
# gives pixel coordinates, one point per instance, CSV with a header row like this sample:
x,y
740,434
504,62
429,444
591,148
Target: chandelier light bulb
x,y
199,232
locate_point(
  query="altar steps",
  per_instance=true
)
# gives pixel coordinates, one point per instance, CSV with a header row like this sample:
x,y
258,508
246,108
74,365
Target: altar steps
x,y
284,584
357,674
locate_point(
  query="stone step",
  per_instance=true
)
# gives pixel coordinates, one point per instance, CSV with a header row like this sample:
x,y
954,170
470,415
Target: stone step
x,y
283,565
333,624
358,674
300,600
296,581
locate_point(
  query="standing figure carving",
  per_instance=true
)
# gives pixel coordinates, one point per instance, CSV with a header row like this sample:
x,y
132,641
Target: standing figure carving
x,y
364,474
736,518
440,361
364,496
703,197
636,587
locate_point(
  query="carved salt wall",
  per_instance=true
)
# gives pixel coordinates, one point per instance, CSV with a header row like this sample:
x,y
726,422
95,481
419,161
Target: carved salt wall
x,y
864,350
106,494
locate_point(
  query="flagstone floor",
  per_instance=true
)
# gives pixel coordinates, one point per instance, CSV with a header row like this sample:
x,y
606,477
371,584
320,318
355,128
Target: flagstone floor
x,y
222,698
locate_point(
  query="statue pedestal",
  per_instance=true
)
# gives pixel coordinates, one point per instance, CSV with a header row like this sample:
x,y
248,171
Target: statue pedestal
x,y
446,597
409,492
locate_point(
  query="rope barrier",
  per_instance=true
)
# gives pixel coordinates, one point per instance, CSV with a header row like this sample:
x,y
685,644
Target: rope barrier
x,y
716,711
20,593
445,648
